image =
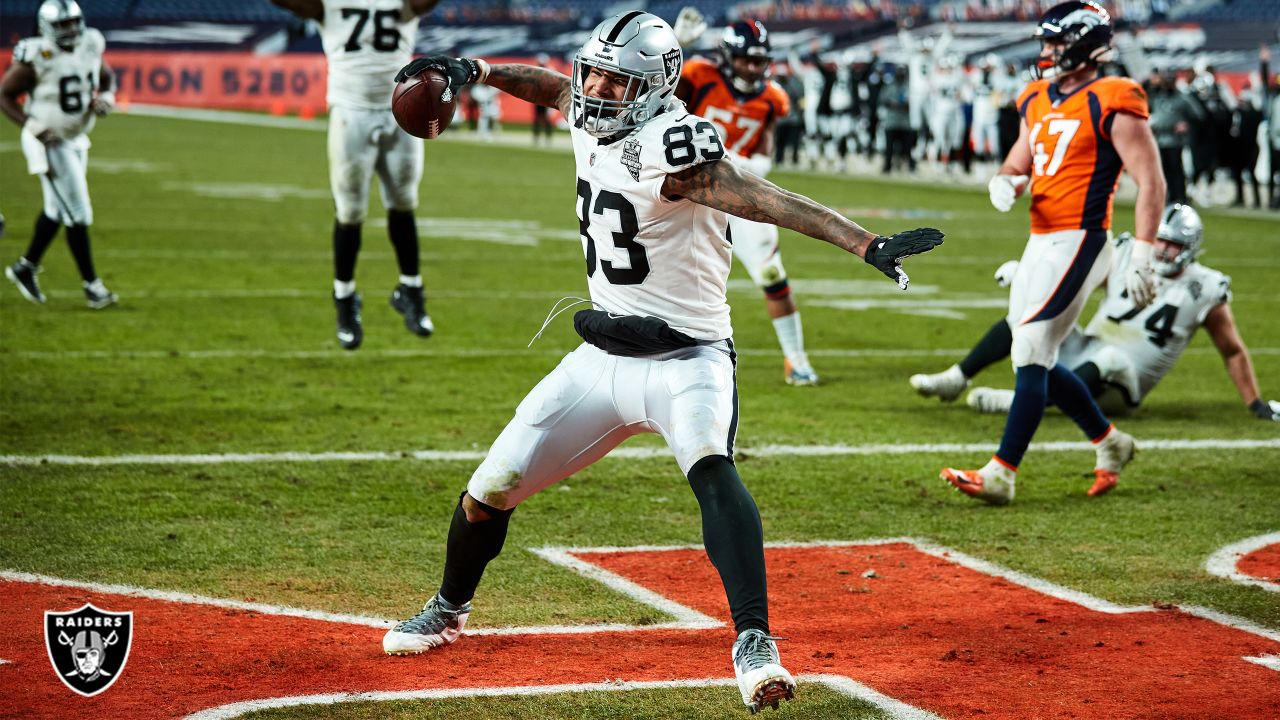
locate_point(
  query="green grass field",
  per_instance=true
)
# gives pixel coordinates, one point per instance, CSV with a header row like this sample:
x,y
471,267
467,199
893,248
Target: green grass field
x,y
216,237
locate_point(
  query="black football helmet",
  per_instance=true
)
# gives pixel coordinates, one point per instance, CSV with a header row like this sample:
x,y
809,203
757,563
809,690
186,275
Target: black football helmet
x,y
1080,33
745,39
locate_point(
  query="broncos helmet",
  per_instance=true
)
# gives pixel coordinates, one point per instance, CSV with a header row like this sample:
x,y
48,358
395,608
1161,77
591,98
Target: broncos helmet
x,y
745,39
643,48
1080,33
1179,224
61,22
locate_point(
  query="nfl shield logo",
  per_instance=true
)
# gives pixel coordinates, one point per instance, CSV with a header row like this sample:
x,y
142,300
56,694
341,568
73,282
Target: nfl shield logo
x,y
88,647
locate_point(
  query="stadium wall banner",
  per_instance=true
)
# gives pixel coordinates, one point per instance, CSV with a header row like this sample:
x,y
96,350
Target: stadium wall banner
x,y
292,83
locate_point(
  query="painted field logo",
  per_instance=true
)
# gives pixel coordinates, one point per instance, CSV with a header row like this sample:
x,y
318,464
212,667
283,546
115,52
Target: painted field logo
x,y
88,647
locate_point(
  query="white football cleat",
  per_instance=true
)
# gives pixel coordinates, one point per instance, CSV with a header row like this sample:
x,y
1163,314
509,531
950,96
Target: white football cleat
x,y
761,677
993,483
990,400
946,385
436,626
1113,452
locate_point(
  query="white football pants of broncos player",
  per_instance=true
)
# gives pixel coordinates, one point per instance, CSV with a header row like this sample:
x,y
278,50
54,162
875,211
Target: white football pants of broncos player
x,y
62,167
756,247
362,142
1054,278
593,401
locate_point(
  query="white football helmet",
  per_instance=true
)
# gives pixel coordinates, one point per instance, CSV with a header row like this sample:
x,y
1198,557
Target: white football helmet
x,y
1179,224
61,22
641,47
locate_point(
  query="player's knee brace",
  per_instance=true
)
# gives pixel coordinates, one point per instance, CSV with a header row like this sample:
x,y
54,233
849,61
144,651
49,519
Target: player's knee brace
x,y
771,274
778,290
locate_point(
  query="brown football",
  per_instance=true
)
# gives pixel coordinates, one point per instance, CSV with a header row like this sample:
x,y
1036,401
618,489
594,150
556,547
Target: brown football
x,y
423,104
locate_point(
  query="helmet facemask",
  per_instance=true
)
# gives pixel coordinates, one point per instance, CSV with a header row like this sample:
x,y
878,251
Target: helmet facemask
x,y
1181,226
639,48
61,23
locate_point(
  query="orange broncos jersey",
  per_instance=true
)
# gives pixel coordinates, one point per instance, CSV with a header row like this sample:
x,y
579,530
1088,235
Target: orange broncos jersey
x,y
741,119
1074,166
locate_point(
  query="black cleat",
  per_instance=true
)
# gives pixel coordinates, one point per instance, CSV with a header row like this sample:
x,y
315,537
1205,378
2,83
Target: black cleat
x,y
409,302
97,296
350,332
23,274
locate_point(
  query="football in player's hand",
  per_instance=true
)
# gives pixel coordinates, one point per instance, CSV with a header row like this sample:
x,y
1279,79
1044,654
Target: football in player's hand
x,y
423,104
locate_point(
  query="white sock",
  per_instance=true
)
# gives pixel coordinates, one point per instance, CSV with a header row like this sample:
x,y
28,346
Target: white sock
x,y
791,338
411,280
343,290
996,469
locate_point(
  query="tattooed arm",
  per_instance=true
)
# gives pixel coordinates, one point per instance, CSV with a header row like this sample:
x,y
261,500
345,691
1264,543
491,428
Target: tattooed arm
x,y
537,85
722,186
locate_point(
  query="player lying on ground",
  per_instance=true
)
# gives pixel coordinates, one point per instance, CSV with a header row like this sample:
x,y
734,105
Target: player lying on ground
x,y
652,201
1126,351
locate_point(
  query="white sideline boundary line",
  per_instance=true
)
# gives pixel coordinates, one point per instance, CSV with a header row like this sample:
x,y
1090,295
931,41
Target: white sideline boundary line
x,y
639,453
894,708
1267,661
1222,562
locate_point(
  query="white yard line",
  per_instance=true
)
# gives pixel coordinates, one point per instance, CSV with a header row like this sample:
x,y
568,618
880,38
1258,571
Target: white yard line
x,y
638,453
1222,563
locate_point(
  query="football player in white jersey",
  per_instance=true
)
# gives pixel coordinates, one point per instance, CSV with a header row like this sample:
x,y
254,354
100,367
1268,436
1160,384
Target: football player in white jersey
x,y
365,42
652,197
69,86
1126,350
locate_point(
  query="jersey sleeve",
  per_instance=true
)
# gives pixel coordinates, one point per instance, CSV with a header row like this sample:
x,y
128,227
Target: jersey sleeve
x,y
1217,291
687,142
26,51
1125,95
1025,97
780,100
94,40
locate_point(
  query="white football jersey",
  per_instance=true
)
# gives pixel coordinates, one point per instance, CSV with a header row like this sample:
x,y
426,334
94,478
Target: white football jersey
x,y
367,42
1154,337
647,255
66,81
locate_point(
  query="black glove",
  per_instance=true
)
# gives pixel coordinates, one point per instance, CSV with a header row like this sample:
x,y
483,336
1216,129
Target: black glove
x,y
1264,410
887,253
460,71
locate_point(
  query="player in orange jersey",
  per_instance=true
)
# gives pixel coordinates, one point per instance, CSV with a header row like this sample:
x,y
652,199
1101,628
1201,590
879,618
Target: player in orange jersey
x,y
1078,131
738,97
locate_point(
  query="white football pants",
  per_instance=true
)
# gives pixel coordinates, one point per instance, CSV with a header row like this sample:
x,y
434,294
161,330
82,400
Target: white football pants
x,y
1054,278
756,247
362,142
593,401
62,169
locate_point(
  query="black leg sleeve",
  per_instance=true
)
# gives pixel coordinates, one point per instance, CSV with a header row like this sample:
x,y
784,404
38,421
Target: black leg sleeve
x,y
470,548
78,241
41,238
403,230
991,349
346,247
734,539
